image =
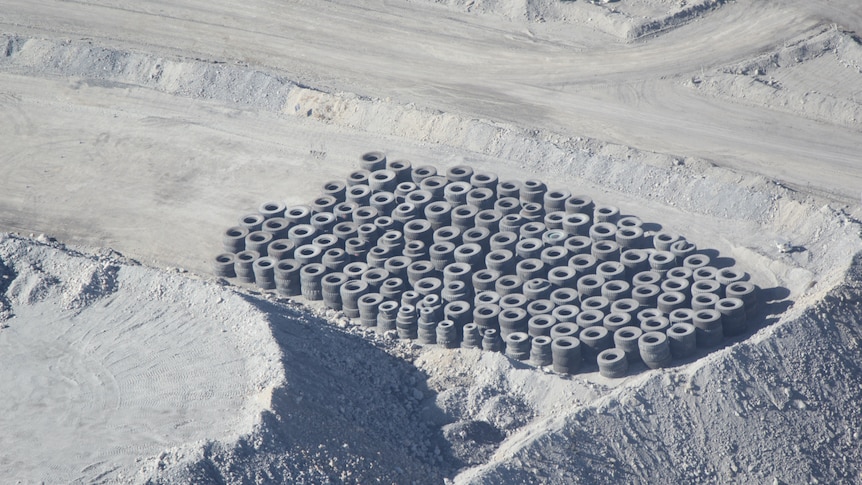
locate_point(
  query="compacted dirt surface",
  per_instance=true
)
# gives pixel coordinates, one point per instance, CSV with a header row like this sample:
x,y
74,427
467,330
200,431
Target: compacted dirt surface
x,y
134,133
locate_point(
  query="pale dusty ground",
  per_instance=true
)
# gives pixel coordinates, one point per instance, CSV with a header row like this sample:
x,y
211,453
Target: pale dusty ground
x,y
150,127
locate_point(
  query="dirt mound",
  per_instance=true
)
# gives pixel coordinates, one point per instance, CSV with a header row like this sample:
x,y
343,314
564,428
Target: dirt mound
x,y
795,389
626,20
114,362
813,76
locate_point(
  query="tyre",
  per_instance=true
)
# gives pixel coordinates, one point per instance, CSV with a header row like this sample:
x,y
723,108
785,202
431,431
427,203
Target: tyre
x,y
406,323
533,229
478,235
606,213
439,214
599,303
683,341
402,189
485,279
629,238
500,260
506,206
481,199
540,307
512,223
705,286
554,237
435,185
626,339
233,239
368,308
676,285
458,272
537,289
663,240
593,341
264,272
705,273
372,161
630,222
733,317
655,350
419,199
335,189
696,261
616,321
418,230
590,285
670,301
384,203
357,177
578,245
533,191
564,296
565,312
745,291
485,180
646,278
577,224
243,262
382,181
258,241
442,255
485,315
324,203
420,269
456,193
308,254
470,253
583,264
464,217
625,305
704,301
488,219
223,265
590,318
404,213
517,346
681,315
310,277
647,313
426,333
725,276
252,222
530,248
646,295
566,354
355,270
532,212
540,351
680,272
287,280
554,220
682,249
613,363
512,320
331,285
508,284
325,242
611,270
402,169
447,234
455,291
504,240
415,251
515,300
562,276
655,324
603,231
708,328
472,337
555,200
392,288
410,297
302,234
351,291
344,211
298,214
459,312
277,226
387,316
579,204
509,188
530,268
491,341
375,278
564,329
661,261
428,286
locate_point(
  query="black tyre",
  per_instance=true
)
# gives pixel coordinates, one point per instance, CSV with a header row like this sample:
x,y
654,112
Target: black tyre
x,y
372,161
683,340
322,204
590,285
420,269
258,241
439,214
485,279
508,284
512,320
384,203
613,363
324,221
310,277
514,300
478,235
485,315
577,224
485,180
533,191
435,185
507,205
655,324
566,354
670,301
626,339
555,200
233,239
420,199
663,240
594,340
509,188
709,329
336,189
562,276
402,169
464,217
655,350
603,231
579,204
530,248
590,318
456,193
565,296
252,222
223,265
517,345
382,180
537,289
481,199
606,213
540,351
488,219
696,261
357,177
554,220
298,214
646,295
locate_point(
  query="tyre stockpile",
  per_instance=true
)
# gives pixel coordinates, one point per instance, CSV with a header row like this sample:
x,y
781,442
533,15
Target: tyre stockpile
x,y
459,258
